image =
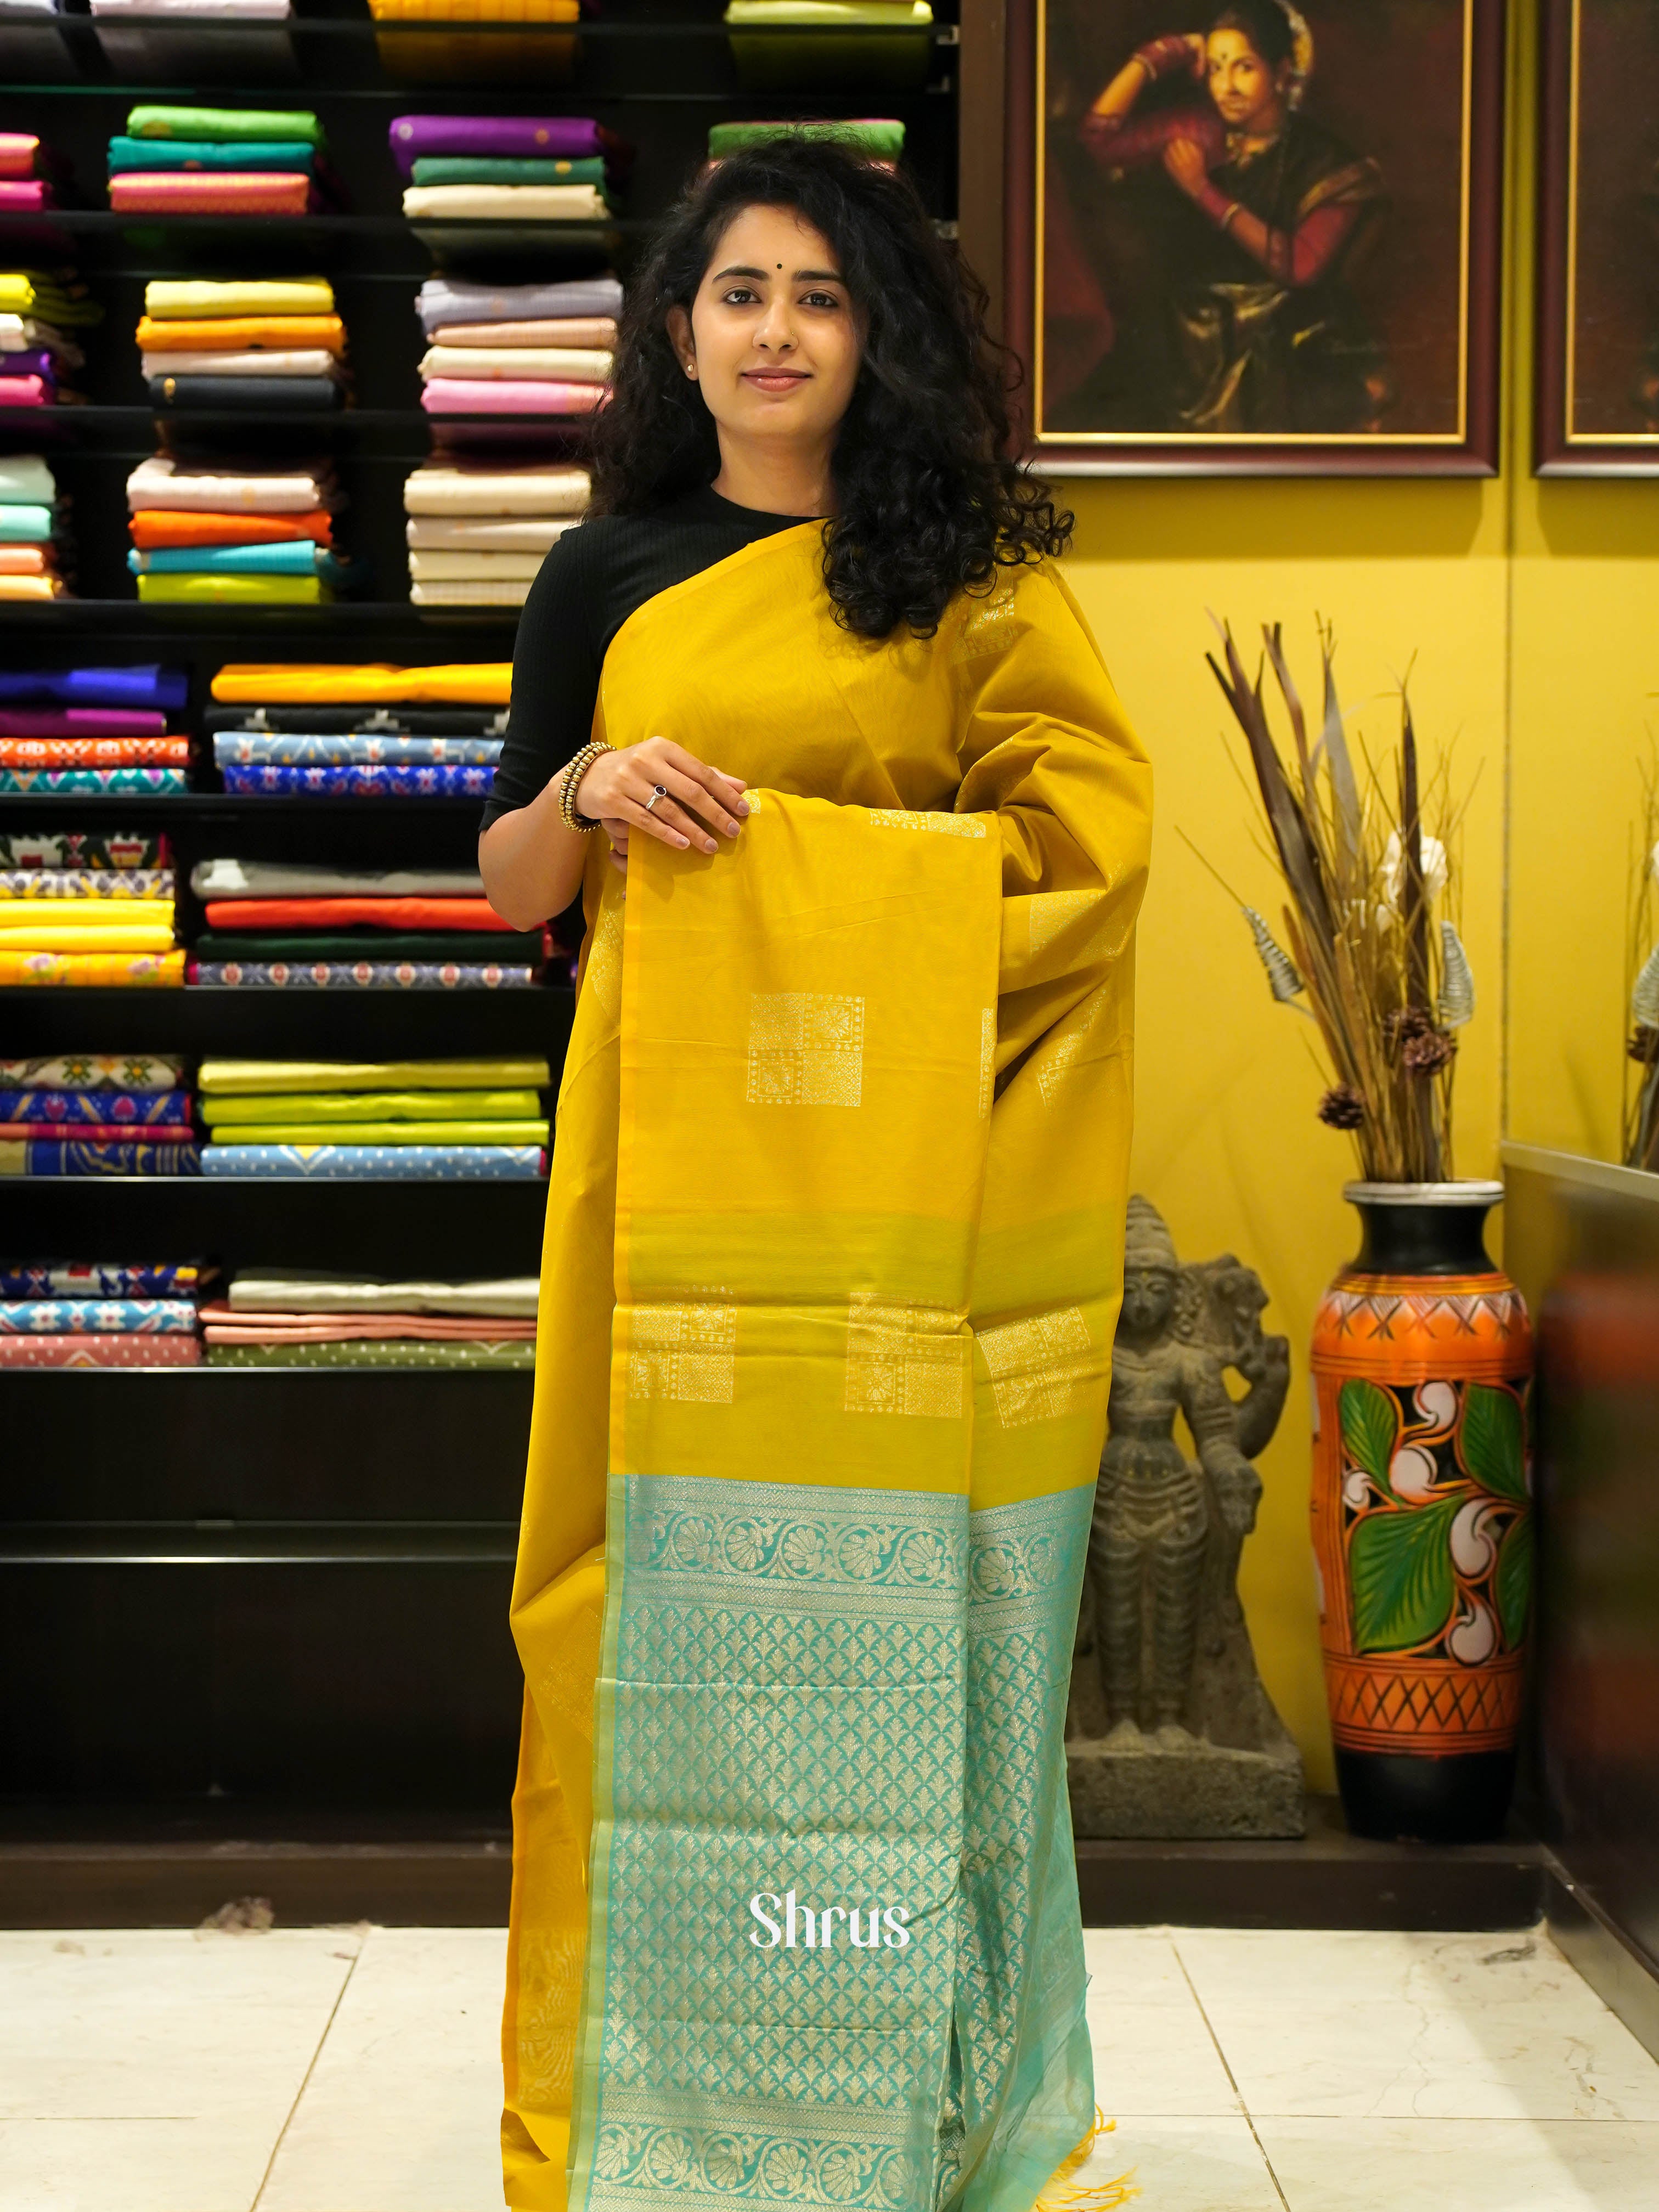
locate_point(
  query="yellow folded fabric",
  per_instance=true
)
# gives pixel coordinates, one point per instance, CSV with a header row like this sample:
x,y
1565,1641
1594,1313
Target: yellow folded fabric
x,y
385,1132
474,11
17,915
317,1107
30,587
507,202
168,298
234,590
466,684
80,937
100,969
230,1078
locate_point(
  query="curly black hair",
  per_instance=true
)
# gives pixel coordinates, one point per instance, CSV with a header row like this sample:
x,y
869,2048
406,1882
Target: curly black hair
x,y
928,501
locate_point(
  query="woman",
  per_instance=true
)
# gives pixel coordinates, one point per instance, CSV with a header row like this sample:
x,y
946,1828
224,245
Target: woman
x,y
833,1241
1262,334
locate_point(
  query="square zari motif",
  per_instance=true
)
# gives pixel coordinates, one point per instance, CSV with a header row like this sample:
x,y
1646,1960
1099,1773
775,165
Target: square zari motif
x,y
1039,1368
805,1048
687,1352
904,1359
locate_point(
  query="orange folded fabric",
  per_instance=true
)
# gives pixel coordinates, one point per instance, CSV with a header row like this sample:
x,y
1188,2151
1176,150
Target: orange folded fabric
x,y
153,527
23,560
343,913
311,684
192,191
242,334
95,752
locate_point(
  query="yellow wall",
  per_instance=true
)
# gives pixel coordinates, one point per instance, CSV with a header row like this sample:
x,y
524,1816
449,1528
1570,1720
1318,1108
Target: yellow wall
x,y
1526,609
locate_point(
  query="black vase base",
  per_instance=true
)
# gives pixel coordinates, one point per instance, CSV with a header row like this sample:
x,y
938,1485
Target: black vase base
x,y
1394,1798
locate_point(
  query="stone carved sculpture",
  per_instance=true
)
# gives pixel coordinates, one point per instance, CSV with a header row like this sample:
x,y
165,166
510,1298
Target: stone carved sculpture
x,y
1170,1732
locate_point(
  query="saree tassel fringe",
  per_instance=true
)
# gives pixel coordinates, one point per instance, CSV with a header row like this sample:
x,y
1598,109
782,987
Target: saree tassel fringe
x,y
1064,2195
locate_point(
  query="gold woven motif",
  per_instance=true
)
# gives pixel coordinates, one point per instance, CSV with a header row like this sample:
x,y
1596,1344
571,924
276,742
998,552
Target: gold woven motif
x,y
1039,1368
904,1359
686,1352
805,1048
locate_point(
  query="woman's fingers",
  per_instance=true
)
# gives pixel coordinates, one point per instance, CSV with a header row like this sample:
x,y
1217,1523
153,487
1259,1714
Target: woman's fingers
x,y
713,796
656,823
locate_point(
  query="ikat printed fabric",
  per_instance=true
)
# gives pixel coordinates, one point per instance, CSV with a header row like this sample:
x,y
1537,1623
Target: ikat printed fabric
x,y
356,975
362,780
61,1279
81,849
235,748
62,1156
375,1162
97,1316
95,1071
140,1108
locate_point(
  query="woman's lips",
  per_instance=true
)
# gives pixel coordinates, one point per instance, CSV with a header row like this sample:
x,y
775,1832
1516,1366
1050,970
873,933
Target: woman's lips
x,y
773,379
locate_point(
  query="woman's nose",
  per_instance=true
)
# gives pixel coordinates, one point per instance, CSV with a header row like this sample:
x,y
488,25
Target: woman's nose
x,y
776,330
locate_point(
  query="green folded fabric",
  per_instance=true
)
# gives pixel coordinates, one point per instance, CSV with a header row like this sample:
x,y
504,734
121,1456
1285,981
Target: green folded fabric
x,y
317,1107
26,477
235,591
234,124
383,1132
129,154
881,139
478,169
469,947
238,1078
379,1352
24,525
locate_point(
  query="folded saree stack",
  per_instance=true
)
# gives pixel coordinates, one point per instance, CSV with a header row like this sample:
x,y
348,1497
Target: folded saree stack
x,y
100,732
34,549
56,1313
215,160
38,308
78,909
25,181
476,532
878,138
262,347
273,926
237,533
96,1114
519,349
360,731
508,168
277,1318
799,42
382,1120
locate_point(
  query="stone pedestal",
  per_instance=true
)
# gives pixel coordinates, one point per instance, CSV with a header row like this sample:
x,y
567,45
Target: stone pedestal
x,y
1133,1785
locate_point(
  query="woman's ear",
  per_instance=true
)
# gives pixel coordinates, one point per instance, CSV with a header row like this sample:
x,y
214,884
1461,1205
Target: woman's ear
x,y
678,326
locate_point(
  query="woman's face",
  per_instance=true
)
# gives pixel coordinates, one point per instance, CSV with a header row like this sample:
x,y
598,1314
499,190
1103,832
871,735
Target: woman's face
x,y
772,337
1248,93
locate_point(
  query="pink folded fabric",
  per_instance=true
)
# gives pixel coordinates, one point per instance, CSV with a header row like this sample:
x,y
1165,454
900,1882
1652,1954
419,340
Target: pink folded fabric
x,y
477,395
187,192
225,1324
17,151
25,391
20,194
136,1349
83,1132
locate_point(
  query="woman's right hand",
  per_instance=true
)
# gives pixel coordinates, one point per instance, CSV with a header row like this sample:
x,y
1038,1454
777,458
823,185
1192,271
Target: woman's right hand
x,y
699,799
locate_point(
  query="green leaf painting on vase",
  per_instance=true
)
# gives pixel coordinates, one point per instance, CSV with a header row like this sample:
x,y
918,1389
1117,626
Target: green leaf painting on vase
x,y
1400,1568
1493,1441
1512,1583
1371,1427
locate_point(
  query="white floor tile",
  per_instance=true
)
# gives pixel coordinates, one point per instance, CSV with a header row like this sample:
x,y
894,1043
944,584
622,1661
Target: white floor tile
x,y
403,2110
1135,1965
1462,2027
151,2024
1462,2166
208,2164
1186,2166
1158,2060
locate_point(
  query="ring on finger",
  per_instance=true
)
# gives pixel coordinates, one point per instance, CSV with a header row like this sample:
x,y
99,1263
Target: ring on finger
x,y
659,791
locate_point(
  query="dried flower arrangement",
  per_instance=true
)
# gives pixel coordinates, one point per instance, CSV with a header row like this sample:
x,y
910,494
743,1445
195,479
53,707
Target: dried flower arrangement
x,y
1386,982
1642,976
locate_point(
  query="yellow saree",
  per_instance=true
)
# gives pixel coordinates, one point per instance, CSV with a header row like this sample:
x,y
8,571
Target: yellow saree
x,y
832,1267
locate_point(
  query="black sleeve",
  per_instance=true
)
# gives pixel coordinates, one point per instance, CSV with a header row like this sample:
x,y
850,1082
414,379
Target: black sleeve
x,y
556,676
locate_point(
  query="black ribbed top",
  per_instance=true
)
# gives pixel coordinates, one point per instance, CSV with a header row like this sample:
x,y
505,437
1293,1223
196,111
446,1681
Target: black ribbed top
x,y
590,583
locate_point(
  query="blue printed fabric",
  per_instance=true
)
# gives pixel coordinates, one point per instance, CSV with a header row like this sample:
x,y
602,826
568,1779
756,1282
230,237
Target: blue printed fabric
x,y
142,1108
97,1317
148,685
294,557
54,1156
273,748
47,1279
380,1162
356,975
364,779
107,782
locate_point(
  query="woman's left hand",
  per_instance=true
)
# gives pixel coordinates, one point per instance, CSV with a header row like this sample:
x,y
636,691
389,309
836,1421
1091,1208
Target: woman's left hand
x,y
1185,162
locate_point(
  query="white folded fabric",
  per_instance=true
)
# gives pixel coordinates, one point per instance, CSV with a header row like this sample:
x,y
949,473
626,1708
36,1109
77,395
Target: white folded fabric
x,y
452,567
555,330
193,488
435,488
261,879
311,361
512,1295
568,364
507,202
476,593
534,534
262,11
26,480
26,334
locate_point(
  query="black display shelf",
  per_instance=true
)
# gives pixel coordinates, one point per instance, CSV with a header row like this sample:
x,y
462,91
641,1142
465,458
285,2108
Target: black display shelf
x,y
225,1543
347,617
381,1024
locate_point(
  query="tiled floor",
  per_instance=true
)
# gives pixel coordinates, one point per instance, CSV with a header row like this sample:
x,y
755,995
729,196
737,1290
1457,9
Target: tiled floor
x,y
317,2070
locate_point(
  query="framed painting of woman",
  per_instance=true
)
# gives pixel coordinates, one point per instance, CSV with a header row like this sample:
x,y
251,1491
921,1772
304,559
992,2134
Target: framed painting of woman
x,y
1598,279
1257,236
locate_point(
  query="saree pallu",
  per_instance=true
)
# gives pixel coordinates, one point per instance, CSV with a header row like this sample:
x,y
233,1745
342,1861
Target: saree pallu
x,y
795,1916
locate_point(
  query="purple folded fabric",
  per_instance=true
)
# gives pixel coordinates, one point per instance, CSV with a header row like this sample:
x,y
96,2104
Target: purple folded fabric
x,y
81,722
27,364
502,137
143,686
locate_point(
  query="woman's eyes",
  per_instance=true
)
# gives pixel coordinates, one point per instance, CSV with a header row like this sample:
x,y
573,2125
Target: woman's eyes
x,y
745,295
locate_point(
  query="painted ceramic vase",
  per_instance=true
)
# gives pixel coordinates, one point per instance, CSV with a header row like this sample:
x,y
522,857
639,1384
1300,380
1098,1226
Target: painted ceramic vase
x,y
1422,1515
